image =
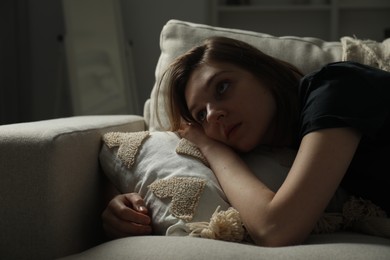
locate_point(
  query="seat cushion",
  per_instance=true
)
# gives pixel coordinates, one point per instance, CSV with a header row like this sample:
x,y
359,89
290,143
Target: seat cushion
x,y
335,246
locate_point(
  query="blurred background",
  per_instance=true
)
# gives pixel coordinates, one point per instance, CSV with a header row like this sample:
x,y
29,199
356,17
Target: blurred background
x,y
80,57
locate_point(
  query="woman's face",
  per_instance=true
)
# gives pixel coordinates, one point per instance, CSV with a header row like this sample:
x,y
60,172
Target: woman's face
x,y
232,105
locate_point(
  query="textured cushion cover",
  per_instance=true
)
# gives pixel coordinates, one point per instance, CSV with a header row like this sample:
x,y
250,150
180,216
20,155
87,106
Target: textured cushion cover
x,y
157,163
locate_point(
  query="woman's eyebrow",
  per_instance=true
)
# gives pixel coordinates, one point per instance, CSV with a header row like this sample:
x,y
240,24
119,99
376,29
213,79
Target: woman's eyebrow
x,y
208,84
213,77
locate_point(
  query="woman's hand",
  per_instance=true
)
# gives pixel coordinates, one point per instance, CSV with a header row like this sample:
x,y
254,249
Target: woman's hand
x,y
197,136
126,215
193,133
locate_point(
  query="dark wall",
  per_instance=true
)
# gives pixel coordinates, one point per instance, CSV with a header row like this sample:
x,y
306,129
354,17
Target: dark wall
x,y
33,82
14,60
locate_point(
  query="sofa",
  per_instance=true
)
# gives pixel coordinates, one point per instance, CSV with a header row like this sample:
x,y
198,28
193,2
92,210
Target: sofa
x,y
52,184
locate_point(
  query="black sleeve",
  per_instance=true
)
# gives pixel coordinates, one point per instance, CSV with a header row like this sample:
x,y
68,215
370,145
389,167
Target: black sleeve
x,y
345,94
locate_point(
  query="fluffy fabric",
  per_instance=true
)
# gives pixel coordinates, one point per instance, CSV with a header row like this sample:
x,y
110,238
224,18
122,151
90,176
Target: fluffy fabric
x,y
357,215
128,144
372,53
223,225
185,147
184,191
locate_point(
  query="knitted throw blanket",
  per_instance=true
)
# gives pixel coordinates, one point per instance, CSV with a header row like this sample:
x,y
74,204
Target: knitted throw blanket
x,y
372,53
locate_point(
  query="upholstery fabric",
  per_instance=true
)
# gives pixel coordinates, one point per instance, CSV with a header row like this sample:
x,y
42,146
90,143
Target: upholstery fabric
x,y
51,184
340,246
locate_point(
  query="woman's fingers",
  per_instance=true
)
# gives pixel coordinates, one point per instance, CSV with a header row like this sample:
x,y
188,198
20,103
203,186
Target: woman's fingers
x,y
126,215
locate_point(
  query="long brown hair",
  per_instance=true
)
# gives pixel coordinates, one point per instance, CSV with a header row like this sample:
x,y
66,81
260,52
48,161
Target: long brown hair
x,y
280,77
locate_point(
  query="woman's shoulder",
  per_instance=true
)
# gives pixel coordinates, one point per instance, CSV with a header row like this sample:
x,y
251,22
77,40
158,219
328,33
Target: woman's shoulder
x,y
346,76
345,69
345,94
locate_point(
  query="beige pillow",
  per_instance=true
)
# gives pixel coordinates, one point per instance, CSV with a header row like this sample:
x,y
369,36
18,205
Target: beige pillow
x,y
178,189
308,54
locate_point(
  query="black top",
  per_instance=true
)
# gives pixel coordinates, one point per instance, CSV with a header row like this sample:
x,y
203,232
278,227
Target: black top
x,y
348,94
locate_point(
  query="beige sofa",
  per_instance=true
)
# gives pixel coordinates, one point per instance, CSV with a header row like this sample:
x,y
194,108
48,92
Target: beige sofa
x,y
51,182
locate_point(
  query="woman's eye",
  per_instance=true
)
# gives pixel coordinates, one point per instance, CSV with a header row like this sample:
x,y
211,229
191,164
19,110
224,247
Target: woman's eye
x,y
201,116
222,87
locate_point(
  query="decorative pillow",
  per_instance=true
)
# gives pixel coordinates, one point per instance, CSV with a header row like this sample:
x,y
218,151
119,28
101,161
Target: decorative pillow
x,y
369,52
176,188
172,177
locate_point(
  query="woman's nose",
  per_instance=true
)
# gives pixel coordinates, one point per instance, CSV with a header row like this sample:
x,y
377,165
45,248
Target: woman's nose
x,y
214,114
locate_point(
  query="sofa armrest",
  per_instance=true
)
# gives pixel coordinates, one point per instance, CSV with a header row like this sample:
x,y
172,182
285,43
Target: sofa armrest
x,y
51,184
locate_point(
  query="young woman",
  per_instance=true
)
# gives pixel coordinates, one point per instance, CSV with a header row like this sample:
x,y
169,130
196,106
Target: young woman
x,y
232,98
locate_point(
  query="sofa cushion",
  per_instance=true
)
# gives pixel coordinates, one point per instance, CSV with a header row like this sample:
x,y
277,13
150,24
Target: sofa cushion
x,y
51,184
308,54
331,246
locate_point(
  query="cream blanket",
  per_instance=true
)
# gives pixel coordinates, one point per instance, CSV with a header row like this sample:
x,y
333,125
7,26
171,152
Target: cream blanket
x,y
372,53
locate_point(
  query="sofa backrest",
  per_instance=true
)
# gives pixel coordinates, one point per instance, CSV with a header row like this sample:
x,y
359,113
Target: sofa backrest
x,y
308,54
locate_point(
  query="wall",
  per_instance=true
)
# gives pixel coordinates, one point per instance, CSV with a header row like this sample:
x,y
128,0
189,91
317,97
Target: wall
x,y
143,23
33,73
33,83
101,76
10,84
35,79
49,86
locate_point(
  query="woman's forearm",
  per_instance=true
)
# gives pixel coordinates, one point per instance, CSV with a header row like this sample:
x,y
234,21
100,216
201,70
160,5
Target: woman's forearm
x,y
243,189
287,216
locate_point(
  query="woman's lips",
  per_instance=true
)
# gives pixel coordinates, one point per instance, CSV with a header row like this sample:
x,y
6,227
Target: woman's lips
x,y
231,130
